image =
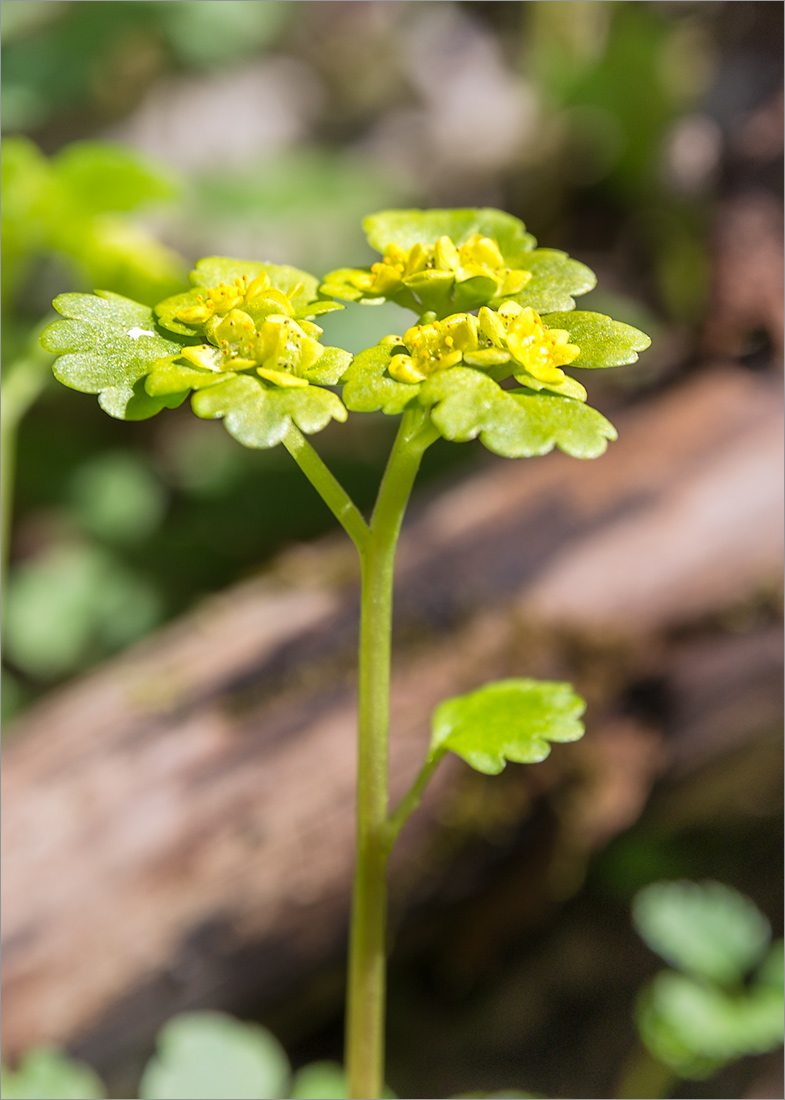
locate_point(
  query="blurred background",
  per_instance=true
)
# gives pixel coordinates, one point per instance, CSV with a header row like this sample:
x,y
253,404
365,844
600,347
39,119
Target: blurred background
x,y
644,138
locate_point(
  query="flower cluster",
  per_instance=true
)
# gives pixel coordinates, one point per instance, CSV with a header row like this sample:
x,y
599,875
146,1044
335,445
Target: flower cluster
x,y
513,334
279,348
444,263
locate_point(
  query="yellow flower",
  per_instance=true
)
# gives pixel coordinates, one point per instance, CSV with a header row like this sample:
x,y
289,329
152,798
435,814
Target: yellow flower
x,y
443,262
280,349
519,329
494,337
222,299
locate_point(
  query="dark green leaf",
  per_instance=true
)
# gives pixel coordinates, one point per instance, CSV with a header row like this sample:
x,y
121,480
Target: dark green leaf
x,y
704,928
603,342
556,279
106,346
258,415
508,720
369,388
512,423
48,1074
210,1056
409,227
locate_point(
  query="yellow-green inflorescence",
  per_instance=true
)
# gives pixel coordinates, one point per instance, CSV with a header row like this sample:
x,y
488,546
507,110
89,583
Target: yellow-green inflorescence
x,y
478,256
514,334
249,326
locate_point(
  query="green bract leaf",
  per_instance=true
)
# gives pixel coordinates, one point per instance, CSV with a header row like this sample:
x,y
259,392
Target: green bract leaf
x,y
706,929
48,1074
101,177
556,279
209,1056
320,1081
407,228
695,1028
369,388
512,423
508,720
106,346
330,369
258,415
603,342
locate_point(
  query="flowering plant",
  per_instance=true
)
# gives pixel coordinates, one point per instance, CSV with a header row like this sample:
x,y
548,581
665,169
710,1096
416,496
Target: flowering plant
x,y
242,342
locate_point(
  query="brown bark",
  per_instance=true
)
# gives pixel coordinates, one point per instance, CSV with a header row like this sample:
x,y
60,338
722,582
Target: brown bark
x,y
178,823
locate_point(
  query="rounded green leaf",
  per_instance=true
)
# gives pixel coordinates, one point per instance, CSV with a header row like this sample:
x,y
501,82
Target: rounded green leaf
x,y
508,720
106,345
407,228
467,404
102,177
210,1056
705,928
330,369
320,1081
695,1028
603,342
556,280
368,387
259,415
47,1074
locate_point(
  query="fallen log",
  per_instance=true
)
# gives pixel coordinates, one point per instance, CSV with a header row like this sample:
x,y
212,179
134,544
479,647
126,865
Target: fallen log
x,y
178,823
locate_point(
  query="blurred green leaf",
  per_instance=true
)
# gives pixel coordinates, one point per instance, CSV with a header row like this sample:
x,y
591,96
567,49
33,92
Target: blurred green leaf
x,y
706,929
117,497
100,177
258,415
696,1028
211,33
508,720
210,1056
47,1074
319,1081
72,603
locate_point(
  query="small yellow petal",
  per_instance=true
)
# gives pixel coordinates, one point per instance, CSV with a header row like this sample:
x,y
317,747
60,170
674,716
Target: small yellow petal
x,y
402,369
282,378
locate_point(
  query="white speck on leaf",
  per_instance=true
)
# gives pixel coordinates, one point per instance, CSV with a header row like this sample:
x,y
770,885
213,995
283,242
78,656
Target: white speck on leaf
x,y
136,332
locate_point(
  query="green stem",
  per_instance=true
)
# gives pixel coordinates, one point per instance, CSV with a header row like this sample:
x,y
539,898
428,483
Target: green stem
x,y
366,982
328,487
411,800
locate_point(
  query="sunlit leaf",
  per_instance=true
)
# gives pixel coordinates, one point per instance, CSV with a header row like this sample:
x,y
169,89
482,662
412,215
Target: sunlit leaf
x,y
258,415
47,1074
106,346
513,423
603,342
556,280
704,928
508,720
210,1056
368,387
